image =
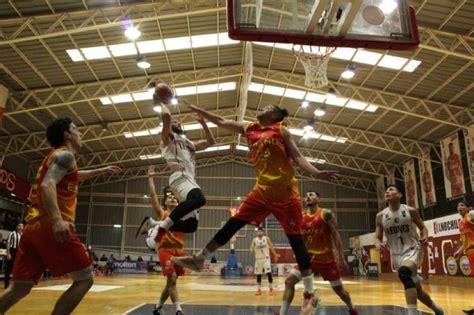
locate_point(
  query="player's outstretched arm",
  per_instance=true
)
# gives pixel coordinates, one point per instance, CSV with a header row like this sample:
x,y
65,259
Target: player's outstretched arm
x,y
336,238
415,216
209,141
155,203
252,247
62,163
272,249
218,120
165,119
301,161
379,244
86,174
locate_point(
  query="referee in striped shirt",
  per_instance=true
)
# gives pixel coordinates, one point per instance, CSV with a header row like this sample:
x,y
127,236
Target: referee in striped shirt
x,y
12,245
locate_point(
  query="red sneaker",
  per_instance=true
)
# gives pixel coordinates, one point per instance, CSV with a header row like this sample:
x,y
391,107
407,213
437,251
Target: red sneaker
x,y
353,312
190,262
259,292
271,291
159,235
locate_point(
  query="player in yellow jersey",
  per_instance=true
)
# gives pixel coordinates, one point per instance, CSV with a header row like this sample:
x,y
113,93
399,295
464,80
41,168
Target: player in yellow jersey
x,y
272,151
49,240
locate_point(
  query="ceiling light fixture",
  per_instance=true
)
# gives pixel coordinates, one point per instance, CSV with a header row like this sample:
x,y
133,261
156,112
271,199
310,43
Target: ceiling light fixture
x,y
174,101
132,33
143,63
320,111
304,104
349,72
331,94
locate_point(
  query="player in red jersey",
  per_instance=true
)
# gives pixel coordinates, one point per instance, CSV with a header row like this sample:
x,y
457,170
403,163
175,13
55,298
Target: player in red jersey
x,y
320,235
170,245
272,151
49,240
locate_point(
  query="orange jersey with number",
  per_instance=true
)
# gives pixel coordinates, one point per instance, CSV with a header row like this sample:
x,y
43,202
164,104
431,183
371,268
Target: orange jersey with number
x,y
66,192
171,239
276,180
317,237
466,229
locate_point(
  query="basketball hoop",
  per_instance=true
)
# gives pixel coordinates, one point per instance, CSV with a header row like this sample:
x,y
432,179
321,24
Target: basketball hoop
x,y
315,63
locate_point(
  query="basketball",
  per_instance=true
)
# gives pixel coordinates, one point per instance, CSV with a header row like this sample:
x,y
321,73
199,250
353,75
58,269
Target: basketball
x,y
164,93
373,15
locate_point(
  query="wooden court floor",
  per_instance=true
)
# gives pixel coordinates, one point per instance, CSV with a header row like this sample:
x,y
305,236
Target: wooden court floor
x,y
452,293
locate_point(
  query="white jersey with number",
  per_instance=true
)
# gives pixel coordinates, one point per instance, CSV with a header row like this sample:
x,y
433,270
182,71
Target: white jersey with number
x,y
262,249
400,230
179,154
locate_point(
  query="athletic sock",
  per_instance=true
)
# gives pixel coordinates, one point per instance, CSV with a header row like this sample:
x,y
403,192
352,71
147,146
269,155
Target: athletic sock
x,y
154,222
270,285
284,308
308,284
202,254
166,223
160,304
412,309
177,304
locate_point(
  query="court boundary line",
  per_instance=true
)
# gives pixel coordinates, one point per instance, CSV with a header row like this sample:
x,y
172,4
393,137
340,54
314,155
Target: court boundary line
x,y
134,308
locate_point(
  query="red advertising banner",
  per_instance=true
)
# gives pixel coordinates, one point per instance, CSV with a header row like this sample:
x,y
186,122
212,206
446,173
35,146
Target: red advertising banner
x,y
11,183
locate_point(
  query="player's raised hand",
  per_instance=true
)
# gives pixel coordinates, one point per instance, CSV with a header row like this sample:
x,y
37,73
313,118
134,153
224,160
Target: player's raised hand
x,y
151,171
200,119
189,105
327,175
112,169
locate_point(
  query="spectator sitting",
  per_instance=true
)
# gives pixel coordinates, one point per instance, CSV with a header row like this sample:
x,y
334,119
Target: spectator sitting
x,y
103,258
139,258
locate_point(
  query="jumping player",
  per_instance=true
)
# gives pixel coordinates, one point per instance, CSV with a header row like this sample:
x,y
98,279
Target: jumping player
x,y
261,246
171,245
49,240
320,235
399,222
179,153
272,150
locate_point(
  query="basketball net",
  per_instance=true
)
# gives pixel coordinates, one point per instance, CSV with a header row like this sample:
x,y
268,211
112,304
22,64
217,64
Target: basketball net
x,y
315,63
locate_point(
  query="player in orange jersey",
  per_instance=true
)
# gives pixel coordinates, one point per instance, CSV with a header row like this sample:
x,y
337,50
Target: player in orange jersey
x,y
49,240
427,183
272,151
466,230
170,245
320,235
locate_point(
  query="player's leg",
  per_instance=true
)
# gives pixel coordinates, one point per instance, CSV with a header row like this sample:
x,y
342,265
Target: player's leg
x,y
27,270
173,291
190,198
270,282
291,280
196,261
259,283
14,293
252,210
425,298
406,273
82,282
291,219
344,295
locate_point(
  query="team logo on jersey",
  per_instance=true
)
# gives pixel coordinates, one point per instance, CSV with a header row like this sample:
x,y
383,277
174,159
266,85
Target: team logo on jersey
x,y
397,220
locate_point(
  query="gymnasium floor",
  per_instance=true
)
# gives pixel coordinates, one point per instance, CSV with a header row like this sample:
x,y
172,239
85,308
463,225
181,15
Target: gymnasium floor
x,y
136,294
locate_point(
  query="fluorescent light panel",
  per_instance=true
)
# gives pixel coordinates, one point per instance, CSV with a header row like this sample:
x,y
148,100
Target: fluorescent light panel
x,y
152,46
311,134
155,131
182,91
360,56
312,97
313,160
242,147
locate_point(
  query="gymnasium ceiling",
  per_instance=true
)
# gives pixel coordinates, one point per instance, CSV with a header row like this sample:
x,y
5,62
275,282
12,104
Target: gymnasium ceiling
x,y
414,109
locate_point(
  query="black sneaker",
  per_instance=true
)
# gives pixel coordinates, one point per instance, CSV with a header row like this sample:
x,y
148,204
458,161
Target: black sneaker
x,y
469,312
144,227
158,311
179,313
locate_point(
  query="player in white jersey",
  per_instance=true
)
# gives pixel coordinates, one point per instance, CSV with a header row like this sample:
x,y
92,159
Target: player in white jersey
x,y
399,222
261,246
179,154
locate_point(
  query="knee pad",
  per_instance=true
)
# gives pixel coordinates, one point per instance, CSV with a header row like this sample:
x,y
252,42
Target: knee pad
x,y
405,274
